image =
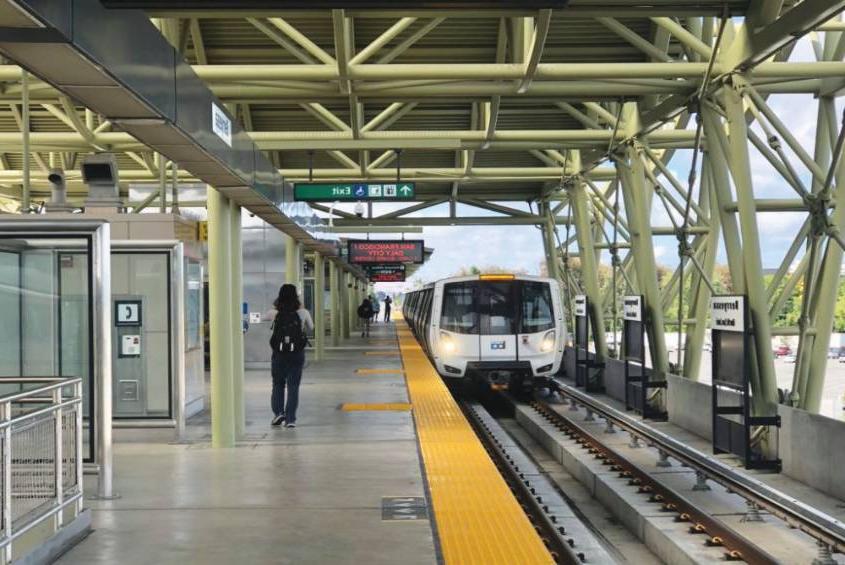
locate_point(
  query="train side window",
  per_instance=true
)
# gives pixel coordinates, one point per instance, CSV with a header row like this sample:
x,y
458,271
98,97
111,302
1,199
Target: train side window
x,y
458,311
536,306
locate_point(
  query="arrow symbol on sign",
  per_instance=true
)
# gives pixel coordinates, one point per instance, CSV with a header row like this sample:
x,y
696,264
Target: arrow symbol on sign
x,y
405,190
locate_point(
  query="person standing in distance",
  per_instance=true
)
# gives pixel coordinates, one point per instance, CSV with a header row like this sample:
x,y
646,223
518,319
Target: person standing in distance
x,y
375,305
291,322
365,314
388,302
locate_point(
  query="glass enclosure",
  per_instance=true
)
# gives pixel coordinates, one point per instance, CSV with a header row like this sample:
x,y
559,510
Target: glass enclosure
x,y
141,363
46,301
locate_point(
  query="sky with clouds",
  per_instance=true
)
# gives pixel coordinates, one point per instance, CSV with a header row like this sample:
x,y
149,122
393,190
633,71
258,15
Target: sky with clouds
x,y
521,248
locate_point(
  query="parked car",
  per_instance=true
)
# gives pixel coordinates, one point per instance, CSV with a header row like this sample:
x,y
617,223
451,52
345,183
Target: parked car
x,y
782,350
833,353
789,358
842,357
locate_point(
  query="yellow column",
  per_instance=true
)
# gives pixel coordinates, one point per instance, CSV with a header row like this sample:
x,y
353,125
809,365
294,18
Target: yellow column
x,y
220,320
236,271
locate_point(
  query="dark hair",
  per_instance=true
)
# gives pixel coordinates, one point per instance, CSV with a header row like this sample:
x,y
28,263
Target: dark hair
x,y
287,301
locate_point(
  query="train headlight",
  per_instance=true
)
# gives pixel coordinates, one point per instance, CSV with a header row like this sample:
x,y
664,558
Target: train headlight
x,y
447,343
548,344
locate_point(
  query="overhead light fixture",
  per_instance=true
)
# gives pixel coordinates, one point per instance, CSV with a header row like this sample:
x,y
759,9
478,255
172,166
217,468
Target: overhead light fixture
x,y
138,121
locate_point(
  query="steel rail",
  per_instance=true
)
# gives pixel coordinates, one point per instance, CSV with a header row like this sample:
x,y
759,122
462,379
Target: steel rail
x,y
817,524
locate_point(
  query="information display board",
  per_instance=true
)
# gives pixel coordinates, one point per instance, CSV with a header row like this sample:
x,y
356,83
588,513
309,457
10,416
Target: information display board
x,y
386,273
727,316
633,330
347,191
587,370
371,251
733,421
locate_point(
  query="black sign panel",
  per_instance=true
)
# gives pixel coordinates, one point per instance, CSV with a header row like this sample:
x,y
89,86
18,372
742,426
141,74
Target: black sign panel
x,y
386,273
373,252
730,341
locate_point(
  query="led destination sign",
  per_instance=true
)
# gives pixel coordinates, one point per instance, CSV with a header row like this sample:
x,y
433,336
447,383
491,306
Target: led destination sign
x,y
370,251
386,273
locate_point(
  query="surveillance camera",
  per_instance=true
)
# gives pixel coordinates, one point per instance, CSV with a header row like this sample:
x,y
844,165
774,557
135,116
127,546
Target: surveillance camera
x,y
359,209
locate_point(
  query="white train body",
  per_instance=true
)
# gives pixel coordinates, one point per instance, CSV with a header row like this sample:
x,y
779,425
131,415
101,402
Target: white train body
x,y
503,329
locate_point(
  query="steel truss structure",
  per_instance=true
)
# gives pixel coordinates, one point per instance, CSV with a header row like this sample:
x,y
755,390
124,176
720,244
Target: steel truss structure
x,y
577,111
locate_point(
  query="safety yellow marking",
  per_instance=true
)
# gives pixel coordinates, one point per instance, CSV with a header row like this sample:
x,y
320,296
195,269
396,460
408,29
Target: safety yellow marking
x,y
379,371
478,518
383,353
384,406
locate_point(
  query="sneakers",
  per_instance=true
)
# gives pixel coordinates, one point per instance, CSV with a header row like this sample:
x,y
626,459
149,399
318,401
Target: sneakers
x,y
290,425
277,420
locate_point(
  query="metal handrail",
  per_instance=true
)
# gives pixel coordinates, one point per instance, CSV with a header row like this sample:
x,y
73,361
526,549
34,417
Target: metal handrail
x,y
819,525
18,471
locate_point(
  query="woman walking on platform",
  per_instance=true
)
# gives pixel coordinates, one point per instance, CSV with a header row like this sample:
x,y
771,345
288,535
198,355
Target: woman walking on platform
x,y
291,322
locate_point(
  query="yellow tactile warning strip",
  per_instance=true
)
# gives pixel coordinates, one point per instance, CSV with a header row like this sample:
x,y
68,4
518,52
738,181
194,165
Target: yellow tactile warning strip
x,y
384,406
478,519
379,372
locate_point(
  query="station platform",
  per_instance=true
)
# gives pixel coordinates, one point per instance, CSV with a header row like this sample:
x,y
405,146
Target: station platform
x,y
378,470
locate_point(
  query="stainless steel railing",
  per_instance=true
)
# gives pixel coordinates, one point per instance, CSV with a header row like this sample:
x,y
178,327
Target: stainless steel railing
x,y
40,454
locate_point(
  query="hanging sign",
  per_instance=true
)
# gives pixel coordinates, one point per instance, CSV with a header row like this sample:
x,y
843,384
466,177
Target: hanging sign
x,y
581,305
727,313
632,308
326,192
221,125
371,251
386,273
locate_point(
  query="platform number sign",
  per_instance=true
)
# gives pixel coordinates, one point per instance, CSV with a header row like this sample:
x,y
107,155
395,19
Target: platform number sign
x,y
127,313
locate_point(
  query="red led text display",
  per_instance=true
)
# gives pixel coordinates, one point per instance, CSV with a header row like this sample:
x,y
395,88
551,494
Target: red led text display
x,y
368,252
386,273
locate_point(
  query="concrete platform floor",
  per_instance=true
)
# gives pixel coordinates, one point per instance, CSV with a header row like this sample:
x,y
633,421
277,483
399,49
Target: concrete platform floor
x,y
307,495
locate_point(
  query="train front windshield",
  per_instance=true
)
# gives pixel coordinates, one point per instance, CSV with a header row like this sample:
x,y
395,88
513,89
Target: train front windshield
x,y
497,307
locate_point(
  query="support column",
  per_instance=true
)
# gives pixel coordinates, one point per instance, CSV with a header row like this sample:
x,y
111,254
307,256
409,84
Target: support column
x,y
292,262
335,318
587,252
700,292
550,245
740,167
636,195
827,289
220,320
236,271
345,300
319,310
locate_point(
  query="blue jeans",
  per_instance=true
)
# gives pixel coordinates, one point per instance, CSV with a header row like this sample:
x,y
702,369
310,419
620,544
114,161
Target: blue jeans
x,y
286,369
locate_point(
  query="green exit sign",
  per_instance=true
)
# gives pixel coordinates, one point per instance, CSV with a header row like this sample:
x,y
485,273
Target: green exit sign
x,y
329,192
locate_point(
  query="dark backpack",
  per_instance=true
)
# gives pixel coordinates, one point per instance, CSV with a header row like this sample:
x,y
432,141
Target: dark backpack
x,y
365,311
288,336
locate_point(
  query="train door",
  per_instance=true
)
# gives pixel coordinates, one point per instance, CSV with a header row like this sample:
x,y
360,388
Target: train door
x,y
497,320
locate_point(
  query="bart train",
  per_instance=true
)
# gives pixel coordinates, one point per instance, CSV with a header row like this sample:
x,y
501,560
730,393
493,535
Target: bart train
x,y
505,331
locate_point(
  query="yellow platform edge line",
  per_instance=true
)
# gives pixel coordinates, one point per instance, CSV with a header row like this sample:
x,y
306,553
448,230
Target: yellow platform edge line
x,y
478,518
382,406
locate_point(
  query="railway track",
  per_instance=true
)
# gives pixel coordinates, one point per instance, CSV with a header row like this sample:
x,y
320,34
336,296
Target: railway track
x,y
827,530
568,540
